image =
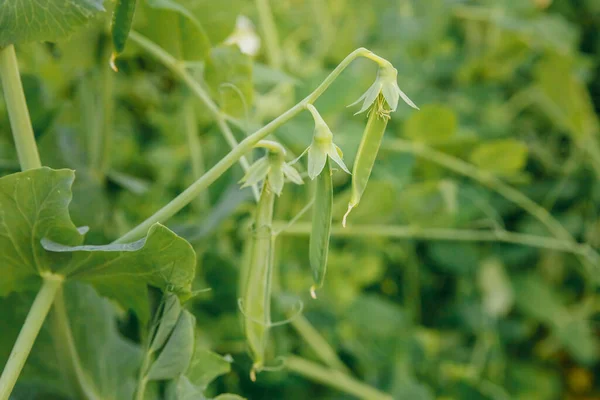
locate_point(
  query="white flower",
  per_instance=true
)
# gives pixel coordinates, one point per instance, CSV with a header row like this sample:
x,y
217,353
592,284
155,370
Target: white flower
x,y
387,85
322,146
272,168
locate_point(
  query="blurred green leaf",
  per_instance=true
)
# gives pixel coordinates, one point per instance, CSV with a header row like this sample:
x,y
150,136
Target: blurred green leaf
x,y
504,157
28,21
432,124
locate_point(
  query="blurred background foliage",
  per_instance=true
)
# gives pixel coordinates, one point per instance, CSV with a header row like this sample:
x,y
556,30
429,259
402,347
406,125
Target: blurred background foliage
x,y
509,94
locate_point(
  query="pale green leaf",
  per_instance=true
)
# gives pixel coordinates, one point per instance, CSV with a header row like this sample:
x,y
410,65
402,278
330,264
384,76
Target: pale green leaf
x,y
43,20
175,357
433,124
504,157
170,315
205,367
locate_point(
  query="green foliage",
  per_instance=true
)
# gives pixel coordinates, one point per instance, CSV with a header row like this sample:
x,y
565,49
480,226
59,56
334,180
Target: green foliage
x,y
446,283
28,21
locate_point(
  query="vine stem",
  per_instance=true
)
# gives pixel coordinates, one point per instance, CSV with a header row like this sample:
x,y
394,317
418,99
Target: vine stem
x,y
66,350
18,113
492,182
333,378
238,151
466,235
29,331
178,69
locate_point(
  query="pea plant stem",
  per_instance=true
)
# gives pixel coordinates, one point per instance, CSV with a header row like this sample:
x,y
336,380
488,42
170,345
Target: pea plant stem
x,y
193,141
237,152
443,234
333,378
66,350
17,110
178,69
29,331
492,182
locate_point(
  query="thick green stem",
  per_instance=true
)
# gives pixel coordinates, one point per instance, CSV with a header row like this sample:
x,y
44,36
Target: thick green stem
x,y
29,331
107,110
17,110
269,32
236,153
334,379
178,69
468,235
67,352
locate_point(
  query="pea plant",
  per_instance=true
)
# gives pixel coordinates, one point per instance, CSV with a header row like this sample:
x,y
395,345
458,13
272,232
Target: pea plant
x,y
44,252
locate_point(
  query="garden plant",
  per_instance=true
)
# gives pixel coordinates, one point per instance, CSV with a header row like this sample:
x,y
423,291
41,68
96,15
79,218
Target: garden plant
x,y
292,199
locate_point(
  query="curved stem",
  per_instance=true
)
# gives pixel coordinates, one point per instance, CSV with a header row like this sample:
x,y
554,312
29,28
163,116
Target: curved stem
x,y
66,350
177,68
492,182
467,235
29,331
236,153
18,113
334,379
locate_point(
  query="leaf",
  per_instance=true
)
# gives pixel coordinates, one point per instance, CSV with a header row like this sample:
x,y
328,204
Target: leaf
x,y
228,73
175,358
122,271
109,362
170,315
33,205
321,226
194,44
537,299
504,157
433,124
205,367
43,20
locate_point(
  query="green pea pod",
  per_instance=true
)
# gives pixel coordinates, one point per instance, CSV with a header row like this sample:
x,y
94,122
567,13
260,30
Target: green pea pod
x,y
365,157
321,227
121,23
256,276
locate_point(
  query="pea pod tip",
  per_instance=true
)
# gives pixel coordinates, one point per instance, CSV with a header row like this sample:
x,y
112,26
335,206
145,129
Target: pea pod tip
x,y
344,219
313,292
113,65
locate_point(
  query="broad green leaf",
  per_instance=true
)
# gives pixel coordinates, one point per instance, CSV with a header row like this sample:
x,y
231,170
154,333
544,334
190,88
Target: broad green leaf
x,y
433,203
205,367
168,319
321,226
228,73
504,157
172,26
175,357
433,124
108,361
45,20
122,271
579,339
33,205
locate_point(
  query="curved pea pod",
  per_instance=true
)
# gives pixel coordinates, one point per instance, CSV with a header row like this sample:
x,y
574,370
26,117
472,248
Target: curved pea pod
x,y
321,227
121,23
255,300
365,157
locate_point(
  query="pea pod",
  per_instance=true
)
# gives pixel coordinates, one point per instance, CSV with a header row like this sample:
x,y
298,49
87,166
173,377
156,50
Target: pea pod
x,y
365,157
121,23
256,276
321,227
